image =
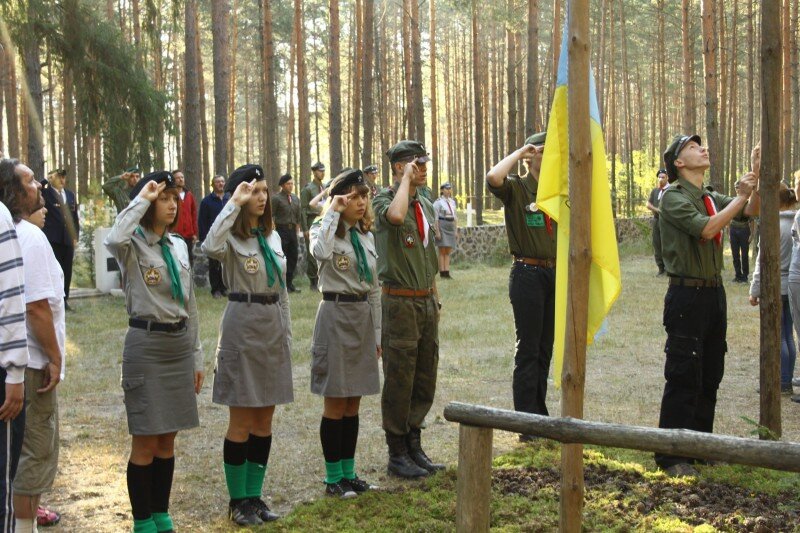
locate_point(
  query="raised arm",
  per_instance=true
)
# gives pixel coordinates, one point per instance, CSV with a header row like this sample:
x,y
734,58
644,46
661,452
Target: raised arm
x,y
498,173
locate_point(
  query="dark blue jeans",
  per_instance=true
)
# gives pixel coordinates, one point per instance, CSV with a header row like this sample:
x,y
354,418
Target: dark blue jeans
x,y
11,434
788,349
696,320
531,290
740,248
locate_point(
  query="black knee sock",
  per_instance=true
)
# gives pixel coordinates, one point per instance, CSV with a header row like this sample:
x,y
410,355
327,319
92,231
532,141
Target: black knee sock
x,y
349,436
234,455
140,480
330,433
162,483
258,449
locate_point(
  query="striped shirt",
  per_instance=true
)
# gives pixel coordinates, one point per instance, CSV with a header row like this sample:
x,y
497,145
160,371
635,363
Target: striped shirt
x,y
13,335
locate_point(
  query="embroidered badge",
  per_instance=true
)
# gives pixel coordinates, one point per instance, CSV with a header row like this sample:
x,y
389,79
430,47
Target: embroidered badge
x,y
251,265
152,276
534,220
342,262
409,240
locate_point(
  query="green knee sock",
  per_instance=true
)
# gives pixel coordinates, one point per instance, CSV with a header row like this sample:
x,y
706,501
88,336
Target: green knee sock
x,y
349,468
255,479
144,526
333,472
236,479
163,522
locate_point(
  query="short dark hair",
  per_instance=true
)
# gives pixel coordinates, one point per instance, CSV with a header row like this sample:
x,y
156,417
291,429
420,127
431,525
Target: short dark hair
x,y
11,190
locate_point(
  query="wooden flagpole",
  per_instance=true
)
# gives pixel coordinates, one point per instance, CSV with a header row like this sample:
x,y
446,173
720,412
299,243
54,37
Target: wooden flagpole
x,y
580,257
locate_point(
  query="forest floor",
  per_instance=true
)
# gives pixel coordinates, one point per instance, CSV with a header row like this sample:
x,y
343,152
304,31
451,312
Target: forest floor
x,y
625,492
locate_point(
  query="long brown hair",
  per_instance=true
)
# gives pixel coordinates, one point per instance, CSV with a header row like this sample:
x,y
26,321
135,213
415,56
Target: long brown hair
x,y
241,226
365,224
147,219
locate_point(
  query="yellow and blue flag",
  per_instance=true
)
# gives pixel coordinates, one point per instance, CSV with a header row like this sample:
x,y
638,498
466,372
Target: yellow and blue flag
x,y
553,198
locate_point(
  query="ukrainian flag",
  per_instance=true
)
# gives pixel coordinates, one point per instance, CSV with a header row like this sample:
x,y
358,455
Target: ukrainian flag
x,y
553,198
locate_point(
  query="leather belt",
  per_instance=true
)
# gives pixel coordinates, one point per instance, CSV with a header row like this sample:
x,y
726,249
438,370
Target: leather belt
x,y
547,263
407,293
248,297
337,297
151,325
444,218
694,282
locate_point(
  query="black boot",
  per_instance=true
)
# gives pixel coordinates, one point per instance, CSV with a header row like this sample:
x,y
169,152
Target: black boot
x,y
400,464
418,455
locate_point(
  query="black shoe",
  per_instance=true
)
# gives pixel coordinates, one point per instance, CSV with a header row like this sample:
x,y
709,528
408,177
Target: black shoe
x,y
292,288
359,486
262,510
244,513
795,398
405,467
786,388
340,489
661,272
524,437
414,444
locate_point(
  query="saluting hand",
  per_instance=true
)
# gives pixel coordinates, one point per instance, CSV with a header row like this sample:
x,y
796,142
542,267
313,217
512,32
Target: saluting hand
x,y
528,151
340,201
243,192
151,191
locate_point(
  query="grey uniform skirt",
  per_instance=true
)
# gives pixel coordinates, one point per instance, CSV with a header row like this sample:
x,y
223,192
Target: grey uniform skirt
x,y
158,382
344,359
447,228
254,362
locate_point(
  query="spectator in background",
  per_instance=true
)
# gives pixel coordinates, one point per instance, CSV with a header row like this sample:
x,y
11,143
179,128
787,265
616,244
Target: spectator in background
x,y
61,226
652,205
14,343
187,220
210,207
119,187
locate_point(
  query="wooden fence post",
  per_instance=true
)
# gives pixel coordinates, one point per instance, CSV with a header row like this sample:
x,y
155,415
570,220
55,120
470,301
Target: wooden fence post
x,y
474,484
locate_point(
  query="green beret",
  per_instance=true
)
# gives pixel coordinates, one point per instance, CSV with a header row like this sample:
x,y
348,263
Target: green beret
x,y
407,150
537,139
134,170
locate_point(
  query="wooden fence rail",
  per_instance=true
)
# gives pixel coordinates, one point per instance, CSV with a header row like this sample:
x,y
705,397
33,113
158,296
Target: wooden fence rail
x,y
475,449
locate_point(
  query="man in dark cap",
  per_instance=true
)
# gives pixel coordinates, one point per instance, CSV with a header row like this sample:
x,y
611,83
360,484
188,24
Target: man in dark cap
x,y
309,213
119,187
371,176
61,226
652,205
407,266
531,289
691,221
288,221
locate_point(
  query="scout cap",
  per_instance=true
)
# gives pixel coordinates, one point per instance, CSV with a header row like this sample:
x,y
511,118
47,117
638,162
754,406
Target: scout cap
x,y
158,176
133,170
345,180
674,150
317,166
370,169
244,173
537,139
407,150
58,171
284,179
661,171
446,186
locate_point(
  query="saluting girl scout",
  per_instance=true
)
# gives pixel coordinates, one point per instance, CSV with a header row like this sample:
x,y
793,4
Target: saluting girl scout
x,y
254,366
347,333
162,360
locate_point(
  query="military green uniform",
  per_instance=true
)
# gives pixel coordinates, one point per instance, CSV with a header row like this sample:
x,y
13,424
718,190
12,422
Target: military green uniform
x,y
695,311
286,214
309,213
655,199
117,189
410,337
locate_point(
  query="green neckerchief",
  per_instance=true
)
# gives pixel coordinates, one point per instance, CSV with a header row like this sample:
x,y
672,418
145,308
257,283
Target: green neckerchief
x,y
364,272
172,267
270,260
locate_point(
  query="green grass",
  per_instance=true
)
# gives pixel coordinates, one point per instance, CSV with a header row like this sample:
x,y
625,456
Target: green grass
x,y
476,362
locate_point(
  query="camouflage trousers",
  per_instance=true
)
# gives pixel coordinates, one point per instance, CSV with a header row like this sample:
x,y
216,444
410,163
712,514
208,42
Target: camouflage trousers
x,y
410,343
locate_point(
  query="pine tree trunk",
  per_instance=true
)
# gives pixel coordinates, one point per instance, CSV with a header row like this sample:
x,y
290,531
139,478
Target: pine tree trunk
x,y
511,85
416,74
476,90
270,119
381,66
335,90
786,93
751,53
231,127
303,123
689,115
356,77
51,115
711,87
220,14
532,74
434,103
410,120
192,156
33,76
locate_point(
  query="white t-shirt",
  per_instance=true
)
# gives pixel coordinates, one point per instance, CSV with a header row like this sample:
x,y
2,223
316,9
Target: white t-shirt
x,y
44,279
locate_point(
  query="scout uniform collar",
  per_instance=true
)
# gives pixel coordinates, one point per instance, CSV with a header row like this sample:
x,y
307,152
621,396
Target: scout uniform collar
x,y
151,237
694,191
174,273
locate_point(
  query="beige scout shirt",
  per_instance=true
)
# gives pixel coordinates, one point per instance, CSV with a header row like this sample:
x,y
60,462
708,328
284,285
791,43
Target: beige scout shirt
x,y
243,265
338,264
145,277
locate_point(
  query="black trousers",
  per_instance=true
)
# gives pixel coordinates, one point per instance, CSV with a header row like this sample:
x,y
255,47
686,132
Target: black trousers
x,y
290,248
215,276
696,320
531,290
64,255
11,435
657,245
740,248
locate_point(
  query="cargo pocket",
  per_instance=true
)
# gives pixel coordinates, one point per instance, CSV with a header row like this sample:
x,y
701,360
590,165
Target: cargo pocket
x,y
227,369
683,361
319,360
135,398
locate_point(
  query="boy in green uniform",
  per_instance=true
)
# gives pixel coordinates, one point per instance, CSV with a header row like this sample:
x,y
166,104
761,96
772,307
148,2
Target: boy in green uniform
x,y
312,189
695,309
407,265
119,187
531,286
